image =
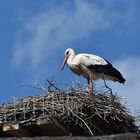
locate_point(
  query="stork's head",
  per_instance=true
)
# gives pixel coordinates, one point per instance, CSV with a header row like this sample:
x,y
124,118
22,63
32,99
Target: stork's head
x,y
68,53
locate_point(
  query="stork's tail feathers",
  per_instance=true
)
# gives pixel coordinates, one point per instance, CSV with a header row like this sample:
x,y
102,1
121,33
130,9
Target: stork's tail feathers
x,y
111,71
108,70
115,73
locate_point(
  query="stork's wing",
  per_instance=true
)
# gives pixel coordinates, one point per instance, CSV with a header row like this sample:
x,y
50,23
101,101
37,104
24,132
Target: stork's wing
x,y
90,59
100,65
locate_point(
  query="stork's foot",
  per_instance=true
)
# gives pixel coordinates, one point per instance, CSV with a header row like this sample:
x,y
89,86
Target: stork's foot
x,y
90,89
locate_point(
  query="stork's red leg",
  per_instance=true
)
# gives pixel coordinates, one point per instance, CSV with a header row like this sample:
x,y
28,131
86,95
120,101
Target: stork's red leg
x,y
90,85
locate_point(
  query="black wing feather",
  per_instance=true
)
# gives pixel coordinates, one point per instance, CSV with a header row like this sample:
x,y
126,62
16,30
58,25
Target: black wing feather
x,y
108,70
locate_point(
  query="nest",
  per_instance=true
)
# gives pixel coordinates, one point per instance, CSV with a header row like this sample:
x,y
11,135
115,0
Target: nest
x,y
81,113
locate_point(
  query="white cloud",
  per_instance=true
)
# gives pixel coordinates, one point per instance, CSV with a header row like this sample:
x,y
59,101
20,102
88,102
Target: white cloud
x,y
52,29
40,39
130,68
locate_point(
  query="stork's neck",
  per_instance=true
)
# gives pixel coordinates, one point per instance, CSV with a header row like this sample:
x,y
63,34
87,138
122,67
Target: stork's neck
x,y
70,59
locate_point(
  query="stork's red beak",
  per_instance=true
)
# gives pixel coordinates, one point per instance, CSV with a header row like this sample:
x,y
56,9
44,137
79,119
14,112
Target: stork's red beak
x,y
64,62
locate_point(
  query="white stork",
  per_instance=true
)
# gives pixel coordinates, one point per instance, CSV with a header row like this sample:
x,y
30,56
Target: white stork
x,y
92,67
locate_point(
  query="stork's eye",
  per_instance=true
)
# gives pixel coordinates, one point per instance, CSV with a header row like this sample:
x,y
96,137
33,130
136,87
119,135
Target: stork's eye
x,y
67,52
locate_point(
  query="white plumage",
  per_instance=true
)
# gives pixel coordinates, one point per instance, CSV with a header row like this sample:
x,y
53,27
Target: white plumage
x,y
91,67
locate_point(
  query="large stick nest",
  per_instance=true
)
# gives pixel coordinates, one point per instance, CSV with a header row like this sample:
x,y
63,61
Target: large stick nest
x,y
81,113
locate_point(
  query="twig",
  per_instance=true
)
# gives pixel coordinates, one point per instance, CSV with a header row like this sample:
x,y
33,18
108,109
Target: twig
x,y
26,85
51,84
107,86
82,121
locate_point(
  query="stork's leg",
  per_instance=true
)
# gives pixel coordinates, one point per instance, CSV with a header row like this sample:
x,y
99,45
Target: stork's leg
x,y
90,85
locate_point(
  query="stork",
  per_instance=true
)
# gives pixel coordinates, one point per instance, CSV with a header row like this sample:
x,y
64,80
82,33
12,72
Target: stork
x,y
91,67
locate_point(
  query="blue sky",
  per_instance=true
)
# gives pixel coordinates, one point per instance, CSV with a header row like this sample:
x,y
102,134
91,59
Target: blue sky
x,y
35,34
